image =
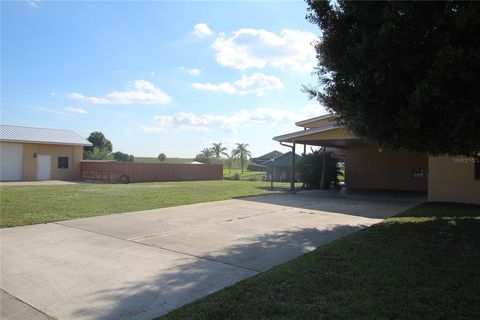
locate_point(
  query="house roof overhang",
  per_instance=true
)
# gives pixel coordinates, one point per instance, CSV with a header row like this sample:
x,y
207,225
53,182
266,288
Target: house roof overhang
x,y
322,117
330,135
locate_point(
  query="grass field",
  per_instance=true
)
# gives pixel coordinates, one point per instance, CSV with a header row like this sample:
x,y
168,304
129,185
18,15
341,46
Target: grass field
x,y
168,160
246,175
23,205
421,264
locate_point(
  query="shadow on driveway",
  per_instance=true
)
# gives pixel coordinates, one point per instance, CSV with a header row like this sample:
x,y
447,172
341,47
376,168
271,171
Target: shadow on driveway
x,y
187,282
363,203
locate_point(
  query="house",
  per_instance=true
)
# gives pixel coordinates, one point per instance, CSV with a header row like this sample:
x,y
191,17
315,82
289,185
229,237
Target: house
x,y
39,154
282,167
450,179
268,156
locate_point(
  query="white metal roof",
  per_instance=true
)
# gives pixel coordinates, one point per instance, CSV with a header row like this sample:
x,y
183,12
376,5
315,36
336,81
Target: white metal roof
x,y
40,135
325,116
307,132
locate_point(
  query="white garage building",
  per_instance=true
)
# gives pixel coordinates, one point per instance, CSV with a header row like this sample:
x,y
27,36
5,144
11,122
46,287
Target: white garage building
x,y
39,154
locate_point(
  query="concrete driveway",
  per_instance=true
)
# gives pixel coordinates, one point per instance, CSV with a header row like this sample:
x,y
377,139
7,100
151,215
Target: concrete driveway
x,y
143,264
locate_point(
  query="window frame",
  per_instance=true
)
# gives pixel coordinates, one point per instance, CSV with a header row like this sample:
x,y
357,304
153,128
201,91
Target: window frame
x,y
62,158
420,174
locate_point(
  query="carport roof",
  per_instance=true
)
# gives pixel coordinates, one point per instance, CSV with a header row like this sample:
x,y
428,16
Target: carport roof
x,y
329,135
9,133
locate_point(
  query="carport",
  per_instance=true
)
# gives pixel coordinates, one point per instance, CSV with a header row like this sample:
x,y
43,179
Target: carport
x,y
367,167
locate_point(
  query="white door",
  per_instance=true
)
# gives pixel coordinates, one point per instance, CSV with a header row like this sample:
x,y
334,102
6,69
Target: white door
x,y
44,166
11,161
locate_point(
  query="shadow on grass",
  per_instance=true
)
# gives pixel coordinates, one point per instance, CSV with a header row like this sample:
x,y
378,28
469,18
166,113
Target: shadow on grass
x,y
187,282
443,209
414,269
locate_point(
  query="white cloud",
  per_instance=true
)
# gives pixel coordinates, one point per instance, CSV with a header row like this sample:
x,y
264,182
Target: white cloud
x,y
194,71
75,110
34,3
207,122
139,91
257,48
257,83
67,111
201,30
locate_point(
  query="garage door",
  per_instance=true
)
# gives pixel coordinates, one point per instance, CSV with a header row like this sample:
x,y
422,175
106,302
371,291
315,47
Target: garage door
x,y
11,161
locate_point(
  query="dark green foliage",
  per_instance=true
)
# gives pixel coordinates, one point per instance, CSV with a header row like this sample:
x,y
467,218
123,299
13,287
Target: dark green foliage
x,y
311,167
100,142
120,156
123,157
405,75
162,157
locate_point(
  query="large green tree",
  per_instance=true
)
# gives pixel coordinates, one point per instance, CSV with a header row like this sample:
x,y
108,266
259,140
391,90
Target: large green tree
x,y
100,142
405,75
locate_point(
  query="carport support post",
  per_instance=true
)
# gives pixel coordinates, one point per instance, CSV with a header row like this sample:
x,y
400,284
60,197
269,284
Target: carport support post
x,y
292,183
323,168
271,173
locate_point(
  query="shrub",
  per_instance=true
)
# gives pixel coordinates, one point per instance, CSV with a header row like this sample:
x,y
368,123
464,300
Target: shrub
x,y
311,166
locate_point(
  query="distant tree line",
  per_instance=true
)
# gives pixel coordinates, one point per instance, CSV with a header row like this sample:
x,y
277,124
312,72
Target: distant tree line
x,y
214,154
101,149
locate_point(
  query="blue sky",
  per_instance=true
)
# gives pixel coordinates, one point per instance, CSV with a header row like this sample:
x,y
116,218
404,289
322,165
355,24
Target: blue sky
x,y
169,77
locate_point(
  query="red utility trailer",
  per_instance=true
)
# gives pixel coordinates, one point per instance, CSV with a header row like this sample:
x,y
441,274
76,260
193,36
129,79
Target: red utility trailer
x,y
125,172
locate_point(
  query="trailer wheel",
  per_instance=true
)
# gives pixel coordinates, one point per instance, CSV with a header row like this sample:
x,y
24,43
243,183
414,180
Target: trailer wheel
x,y
124,179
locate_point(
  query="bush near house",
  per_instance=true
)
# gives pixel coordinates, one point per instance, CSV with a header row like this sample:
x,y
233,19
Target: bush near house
x,y
311,168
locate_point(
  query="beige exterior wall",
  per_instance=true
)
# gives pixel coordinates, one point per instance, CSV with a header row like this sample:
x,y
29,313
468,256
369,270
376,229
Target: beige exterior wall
x,y
74,154
452,180
367,168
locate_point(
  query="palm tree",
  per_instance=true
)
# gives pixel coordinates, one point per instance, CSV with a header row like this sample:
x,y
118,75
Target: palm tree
x,y
231,159
218,150
242,153
206,154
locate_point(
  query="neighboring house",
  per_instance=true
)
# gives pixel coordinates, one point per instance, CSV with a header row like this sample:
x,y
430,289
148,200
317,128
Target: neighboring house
x,y
39,154
282,167
260,160
366,167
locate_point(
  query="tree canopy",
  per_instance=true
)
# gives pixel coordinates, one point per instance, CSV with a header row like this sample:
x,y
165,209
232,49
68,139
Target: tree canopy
x,y
218,150
404,75
162,157
99,140
120,156
101,149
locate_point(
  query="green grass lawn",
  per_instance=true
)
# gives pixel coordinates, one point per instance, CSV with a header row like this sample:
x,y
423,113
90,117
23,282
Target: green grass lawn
x,y
168,160
22,205
246,175
421,264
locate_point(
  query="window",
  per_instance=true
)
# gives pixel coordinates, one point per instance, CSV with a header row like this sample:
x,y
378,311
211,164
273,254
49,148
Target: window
x,y
476,165
420,174
62,162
